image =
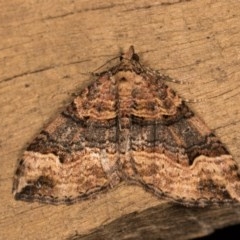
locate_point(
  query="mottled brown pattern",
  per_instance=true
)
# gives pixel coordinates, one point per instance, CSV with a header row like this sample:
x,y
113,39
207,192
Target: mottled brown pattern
x,y
127,126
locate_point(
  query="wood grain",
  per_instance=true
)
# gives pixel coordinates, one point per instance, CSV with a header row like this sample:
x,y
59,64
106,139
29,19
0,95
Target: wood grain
x,y
46,50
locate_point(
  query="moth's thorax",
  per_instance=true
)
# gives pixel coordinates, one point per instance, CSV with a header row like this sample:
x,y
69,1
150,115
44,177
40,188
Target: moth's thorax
x,y
124,99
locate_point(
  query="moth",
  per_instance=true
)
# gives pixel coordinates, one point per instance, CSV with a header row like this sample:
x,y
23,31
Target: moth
x,y
128,125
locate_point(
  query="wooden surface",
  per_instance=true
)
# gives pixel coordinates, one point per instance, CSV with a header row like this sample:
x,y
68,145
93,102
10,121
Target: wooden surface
x,y
46,46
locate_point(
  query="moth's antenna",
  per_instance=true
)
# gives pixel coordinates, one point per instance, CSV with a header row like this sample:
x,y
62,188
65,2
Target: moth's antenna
x,y
106,63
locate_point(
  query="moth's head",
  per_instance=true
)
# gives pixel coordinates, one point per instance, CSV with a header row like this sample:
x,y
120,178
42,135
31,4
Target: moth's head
x,y
130,55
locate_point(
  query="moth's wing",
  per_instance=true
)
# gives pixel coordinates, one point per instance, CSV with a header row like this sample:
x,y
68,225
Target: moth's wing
x,y
75,156
174,152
